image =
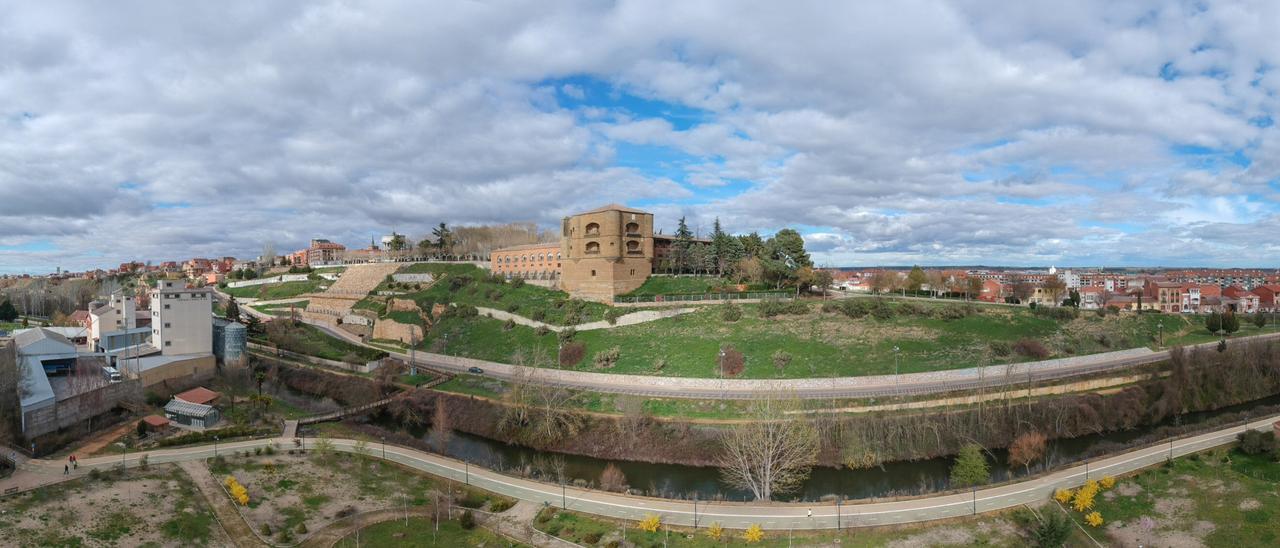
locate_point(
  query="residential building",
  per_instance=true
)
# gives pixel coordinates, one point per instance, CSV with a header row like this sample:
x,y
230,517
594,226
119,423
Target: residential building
x,y
1267,297
992,291
181,318
539,261
1246,302
321,252
117,315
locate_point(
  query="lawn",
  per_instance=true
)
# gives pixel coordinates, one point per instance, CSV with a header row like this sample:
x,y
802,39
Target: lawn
x,y
674,285
1219,498
823,344
421,531
9,326
271,292
468,284
310,340
1002,529
280,309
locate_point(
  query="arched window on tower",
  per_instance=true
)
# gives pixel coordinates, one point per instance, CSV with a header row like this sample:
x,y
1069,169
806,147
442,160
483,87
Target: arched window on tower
x,y
633,228
593,248
633,247
593,229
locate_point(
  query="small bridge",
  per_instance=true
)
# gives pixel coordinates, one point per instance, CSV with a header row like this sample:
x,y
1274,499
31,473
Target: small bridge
x,y
367,407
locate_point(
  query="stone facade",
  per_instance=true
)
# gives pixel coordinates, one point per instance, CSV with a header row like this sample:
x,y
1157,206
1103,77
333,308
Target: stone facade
x,y
606,251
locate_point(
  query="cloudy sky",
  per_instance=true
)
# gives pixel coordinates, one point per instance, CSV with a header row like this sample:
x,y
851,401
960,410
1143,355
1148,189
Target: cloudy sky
x,y
928,132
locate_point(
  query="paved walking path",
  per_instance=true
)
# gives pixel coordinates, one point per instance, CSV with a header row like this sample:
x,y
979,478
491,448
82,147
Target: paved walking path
x,y
686,513
634,318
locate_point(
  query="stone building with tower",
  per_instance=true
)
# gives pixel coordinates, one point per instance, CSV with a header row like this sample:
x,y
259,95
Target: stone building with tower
x,y
604,252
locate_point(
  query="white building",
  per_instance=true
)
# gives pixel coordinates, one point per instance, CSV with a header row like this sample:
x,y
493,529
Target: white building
x,y
181,318
116,316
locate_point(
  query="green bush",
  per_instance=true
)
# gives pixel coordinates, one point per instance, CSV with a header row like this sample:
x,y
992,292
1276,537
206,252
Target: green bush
x,y
541,330
1000,348
1059,313
955,312
607,358
567,335
731,312
591,538
500,506
538,315
513,307
612,314
517,283
467,520
1253,442
1054,532
509,325
472,499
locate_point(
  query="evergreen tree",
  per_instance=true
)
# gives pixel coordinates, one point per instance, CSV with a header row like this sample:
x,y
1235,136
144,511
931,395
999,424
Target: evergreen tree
x,y
1230,322
915,279
233,310
7,312
1213,323
970,467
720,243
444,238
1260,320
752,245
680,253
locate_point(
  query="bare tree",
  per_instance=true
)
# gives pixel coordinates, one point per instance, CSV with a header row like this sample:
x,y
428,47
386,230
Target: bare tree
x,y
769,454
536,412
441,430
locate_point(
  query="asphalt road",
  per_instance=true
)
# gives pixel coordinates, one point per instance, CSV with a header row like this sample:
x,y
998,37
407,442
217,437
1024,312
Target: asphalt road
x,y
689,513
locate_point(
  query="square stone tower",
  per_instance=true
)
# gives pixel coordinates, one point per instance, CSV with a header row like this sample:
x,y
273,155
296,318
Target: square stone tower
x,y
607,251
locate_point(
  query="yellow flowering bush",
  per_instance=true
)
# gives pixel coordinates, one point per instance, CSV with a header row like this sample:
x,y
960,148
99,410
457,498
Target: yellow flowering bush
x,y
1094,519
753,534
1108,482
1063,495
716,532
238,492
1084,497
651,523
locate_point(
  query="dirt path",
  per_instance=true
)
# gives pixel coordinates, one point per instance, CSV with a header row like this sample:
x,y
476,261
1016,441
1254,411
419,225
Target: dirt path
x,y
104,439
225,513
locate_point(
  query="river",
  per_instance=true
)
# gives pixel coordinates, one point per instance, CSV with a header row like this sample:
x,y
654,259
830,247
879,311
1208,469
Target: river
x,y
891,479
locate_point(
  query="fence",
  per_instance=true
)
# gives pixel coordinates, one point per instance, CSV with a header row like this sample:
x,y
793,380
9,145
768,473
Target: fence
x,y
703,297
272,280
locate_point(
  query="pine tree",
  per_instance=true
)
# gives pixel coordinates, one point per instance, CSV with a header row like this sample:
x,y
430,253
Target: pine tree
x,y
684,239
915,279
1213,323
7,312
970,468
720,243
1230,322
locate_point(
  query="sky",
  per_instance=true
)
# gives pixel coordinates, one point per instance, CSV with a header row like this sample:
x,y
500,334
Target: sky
x,y
908,132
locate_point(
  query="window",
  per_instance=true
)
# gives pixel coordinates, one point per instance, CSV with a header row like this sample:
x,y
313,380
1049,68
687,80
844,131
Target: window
x,y
168,343
633,272
166,325
633,247
593,229
593,248
166,306
593,273
633,228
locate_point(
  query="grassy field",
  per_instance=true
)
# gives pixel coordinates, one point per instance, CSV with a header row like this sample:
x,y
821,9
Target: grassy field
x,y
468,284
823,344
270,292
1219,498
280,309
1004,529
423,532
307,339
8,326
673,285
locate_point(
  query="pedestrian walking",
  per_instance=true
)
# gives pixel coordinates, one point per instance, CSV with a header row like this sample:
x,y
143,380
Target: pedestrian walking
x,y
811,512
66,469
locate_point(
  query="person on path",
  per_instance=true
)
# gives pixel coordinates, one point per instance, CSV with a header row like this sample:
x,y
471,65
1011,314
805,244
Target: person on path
x,y
66,469
811,512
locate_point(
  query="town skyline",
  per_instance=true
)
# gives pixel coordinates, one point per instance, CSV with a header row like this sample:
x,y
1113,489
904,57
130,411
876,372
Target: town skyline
x,y
933,133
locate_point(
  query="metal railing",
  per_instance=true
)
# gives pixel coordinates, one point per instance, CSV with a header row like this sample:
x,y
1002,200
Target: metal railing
x,y
701,297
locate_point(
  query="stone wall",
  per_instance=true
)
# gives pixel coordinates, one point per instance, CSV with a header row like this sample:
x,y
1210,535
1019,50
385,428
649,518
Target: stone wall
x,y
395,331
177,374
403,305
413,278
81,407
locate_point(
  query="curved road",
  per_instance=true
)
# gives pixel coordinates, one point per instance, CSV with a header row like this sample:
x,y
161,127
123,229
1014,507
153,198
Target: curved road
x,y
909,384
686,513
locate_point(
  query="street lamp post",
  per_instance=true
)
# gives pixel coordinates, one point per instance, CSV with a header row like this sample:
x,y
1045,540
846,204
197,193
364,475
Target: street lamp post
x,y
720,369
896,350
215,446
384,448
1160,326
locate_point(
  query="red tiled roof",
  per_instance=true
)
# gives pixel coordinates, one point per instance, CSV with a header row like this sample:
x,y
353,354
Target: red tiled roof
x,y
155,420
199,394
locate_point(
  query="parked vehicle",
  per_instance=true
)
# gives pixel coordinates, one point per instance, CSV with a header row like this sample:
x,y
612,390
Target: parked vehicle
x,y
112,374
475,371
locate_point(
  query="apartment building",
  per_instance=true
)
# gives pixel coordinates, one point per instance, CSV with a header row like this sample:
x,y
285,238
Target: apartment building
x,y
181,318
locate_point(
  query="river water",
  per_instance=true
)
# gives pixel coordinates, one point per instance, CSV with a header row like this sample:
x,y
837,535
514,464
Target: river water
x,y
892,479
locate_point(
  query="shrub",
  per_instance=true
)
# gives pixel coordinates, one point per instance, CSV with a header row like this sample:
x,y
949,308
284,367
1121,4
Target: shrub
x,y
955,312
1058,313
465,311
513,307
567,335
1084,497
612,314
500,506
1055,530
1094,519
716,531
1031,348
612,478
467,520
912,309
541,330
651,523
266,529
605,359
302,528
1253,442
544,515
591,538
731,362
471,499
95,474
459,282
1063,495
517,283
881,310
509,325
538,315
571,353
753,534
659,364
1000,348
970,468
730,312
1108,482
780,360
494,295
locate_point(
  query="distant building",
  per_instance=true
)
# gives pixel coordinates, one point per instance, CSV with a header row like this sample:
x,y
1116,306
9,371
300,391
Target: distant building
x,y
321,252
540,261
